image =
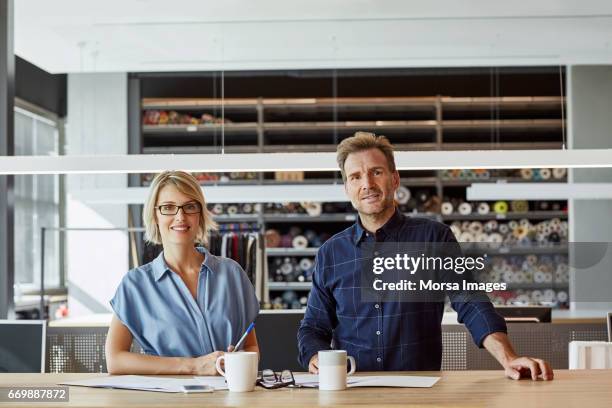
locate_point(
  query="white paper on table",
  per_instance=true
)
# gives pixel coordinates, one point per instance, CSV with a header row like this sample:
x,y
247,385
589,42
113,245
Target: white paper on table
x,y
307,380
137,382
312,381
215,381
412,381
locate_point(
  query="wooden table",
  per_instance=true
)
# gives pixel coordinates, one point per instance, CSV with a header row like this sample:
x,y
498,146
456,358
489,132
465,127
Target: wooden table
x,y
577,388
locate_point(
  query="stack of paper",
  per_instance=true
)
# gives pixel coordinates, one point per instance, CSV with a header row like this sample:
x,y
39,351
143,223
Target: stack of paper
x,y
143,383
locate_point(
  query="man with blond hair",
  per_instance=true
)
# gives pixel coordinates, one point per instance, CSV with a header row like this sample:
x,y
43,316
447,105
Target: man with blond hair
x,y
389,335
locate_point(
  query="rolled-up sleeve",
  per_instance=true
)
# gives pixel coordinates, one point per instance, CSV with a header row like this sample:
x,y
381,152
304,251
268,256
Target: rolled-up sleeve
x,y
126,303
316,329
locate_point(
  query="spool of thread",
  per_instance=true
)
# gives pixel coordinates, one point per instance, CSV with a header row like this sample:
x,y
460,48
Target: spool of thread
x,y
531,260
562,296
495,238
559,173
306,264
509,277
482,237
500,207
446,208
247,208
519,206
313,209
545,174
422,196
539,277
490,226
273,238
402,195
483,208
543,205
466,237
536,174
286,241
549,295
286,268
289,296
476,227
526,174
548,278
217,209
232,209
465,208
519,233
524,223
299,242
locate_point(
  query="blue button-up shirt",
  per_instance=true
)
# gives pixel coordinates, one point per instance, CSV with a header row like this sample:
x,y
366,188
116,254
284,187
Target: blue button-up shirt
x,y
382,335
166,320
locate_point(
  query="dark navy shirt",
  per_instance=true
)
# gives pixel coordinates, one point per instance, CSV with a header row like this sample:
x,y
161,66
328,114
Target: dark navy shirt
x,y
392,336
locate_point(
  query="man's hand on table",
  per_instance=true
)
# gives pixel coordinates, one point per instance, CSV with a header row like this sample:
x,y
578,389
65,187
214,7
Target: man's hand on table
x,y
516,367
525,367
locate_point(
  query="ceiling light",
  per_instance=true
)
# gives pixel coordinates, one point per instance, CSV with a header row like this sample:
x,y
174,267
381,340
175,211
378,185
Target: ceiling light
x,y
211,163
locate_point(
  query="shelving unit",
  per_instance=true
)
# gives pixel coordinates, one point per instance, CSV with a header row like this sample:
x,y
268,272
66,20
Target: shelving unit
x,y
262,124
530,215
317,124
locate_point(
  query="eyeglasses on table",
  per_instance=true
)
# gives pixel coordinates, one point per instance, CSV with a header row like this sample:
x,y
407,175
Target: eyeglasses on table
x,y
271,380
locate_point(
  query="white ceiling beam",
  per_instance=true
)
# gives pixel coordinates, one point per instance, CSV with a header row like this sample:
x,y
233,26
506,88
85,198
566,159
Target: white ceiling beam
x,y
221,163
539,191
225,194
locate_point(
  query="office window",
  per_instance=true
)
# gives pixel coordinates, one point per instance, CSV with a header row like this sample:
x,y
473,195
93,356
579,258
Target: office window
x,y
37,204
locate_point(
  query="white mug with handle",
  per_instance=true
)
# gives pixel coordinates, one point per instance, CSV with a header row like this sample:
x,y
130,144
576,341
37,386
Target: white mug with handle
x,y
240,370
332,369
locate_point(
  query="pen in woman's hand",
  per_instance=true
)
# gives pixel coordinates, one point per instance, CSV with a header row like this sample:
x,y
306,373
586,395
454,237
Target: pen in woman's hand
x,y
244,336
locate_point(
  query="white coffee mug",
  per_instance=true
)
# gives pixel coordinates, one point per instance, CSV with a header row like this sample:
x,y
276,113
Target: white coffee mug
x,y
240,370
332,369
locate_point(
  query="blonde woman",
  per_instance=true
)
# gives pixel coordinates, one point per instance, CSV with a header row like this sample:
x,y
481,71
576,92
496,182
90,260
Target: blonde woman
x,y
187,306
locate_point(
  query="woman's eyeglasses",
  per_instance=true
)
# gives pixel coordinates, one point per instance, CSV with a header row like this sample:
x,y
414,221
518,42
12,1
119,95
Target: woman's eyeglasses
x,y
271,380
173,209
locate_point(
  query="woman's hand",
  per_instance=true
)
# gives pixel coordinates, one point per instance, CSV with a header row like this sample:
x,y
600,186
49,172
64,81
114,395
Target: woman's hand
x,y
205,365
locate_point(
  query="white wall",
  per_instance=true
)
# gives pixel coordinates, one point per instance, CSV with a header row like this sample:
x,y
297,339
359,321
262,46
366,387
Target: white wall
x,y
97,124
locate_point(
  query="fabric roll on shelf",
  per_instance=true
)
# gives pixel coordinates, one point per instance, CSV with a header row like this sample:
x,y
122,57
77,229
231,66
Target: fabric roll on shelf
x,y
446,208
295,238
500,207
291,269
465,208
299,242
514,232
559,173
402,195
519,206
483,208
273,238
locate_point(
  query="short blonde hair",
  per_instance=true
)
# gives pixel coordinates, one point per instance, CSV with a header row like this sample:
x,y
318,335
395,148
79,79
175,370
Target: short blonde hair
x,y
361,141
186,184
